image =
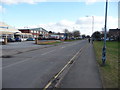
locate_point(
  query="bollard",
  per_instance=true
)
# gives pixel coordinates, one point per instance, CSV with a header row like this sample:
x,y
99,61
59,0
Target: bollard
x,y
36,40
5,41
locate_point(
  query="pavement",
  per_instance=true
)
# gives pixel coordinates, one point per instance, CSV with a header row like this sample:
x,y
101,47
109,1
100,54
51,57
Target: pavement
x,y
84,73
35,68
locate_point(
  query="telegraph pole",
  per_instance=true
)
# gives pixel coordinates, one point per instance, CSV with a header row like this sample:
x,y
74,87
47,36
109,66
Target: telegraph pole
x,y
105,35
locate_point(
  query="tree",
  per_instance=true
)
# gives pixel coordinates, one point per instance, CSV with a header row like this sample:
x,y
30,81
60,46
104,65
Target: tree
x,y
66,33
88,36
50,32
96,35
76,33
58,33
83,36
70,34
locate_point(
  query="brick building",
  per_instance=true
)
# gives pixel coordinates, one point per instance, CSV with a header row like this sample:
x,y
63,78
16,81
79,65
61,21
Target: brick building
x,y
114,33
36,32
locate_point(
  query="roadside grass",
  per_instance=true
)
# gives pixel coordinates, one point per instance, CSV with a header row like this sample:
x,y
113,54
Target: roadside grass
x,y
109,72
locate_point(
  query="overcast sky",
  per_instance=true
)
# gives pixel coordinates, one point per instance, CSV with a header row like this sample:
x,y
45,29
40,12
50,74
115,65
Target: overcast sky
x,y
60,15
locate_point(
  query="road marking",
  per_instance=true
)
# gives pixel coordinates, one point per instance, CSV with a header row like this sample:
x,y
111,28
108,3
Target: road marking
x,y
55,77
15,63
27,59
32,57
23,60
47,52
63,47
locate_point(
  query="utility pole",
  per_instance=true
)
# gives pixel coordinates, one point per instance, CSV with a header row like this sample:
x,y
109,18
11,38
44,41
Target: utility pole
x,y
92,27
105,35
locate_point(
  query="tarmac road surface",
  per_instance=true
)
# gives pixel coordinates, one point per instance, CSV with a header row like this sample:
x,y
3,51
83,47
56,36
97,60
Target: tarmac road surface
x,y
34,69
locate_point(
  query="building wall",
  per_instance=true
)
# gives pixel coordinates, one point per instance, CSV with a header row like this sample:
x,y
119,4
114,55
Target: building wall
x,y
36,32
25,31
114,33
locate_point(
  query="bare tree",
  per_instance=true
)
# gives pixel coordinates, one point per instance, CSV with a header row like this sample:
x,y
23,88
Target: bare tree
x,y
66,31
76,33
70,35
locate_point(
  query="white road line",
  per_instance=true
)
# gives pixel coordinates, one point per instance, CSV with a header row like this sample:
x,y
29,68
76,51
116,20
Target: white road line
x,y
63,47
47,52
33,57
79,52
23,61
69,45
15,63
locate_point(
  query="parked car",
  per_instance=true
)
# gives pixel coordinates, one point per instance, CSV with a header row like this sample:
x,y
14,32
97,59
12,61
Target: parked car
x,y
18,39
30,39
72,38
111,39
10,39
107,39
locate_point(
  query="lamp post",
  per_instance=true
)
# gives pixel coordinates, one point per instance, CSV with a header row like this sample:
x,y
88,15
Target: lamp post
x,y
92,26
104,46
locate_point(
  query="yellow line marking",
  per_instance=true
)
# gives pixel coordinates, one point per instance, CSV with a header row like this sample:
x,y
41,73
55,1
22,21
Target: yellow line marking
x,y
47,85
64,67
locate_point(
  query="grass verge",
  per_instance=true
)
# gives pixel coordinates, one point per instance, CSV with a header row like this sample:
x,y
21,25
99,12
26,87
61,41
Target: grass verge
x,y
109,72
49,43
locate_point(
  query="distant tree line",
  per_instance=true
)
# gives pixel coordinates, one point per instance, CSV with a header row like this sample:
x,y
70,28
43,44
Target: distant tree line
x,y
70,35
100,36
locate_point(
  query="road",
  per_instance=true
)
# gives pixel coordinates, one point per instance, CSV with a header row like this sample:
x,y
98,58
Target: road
x,y
18,47
34,69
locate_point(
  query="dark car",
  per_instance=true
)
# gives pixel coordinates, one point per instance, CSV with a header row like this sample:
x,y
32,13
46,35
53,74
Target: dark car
x,y
30,39
10,39
18,39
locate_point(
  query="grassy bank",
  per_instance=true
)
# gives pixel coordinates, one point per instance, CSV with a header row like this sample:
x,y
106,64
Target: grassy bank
x,y
109,72
48,43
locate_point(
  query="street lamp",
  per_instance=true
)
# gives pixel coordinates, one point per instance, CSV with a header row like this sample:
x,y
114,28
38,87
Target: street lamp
x,y
92,26
104,46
